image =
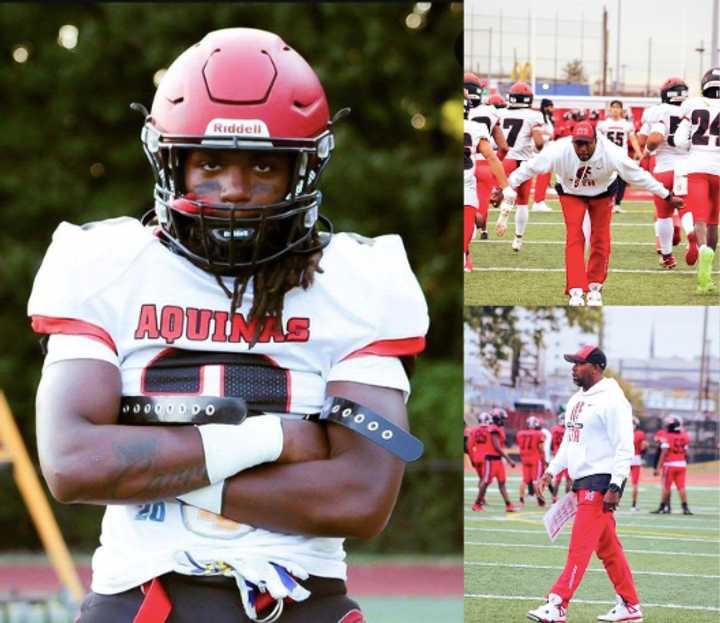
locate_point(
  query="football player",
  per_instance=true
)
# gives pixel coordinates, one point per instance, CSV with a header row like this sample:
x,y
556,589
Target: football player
x,y
542,181
587,167
477,145
699,133
620,131
531,442
640,446
231,299
657,134
478,445
523,131
673,464
494,453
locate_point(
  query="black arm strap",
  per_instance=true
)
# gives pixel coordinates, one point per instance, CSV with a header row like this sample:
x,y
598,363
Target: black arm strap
x,y
177,409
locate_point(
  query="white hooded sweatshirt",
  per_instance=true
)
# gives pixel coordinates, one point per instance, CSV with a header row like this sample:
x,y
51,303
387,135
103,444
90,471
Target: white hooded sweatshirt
x,y
598,434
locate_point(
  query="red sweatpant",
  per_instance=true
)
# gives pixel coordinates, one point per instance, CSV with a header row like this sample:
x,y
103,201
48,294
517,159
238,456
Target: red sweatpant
x,y
594,531
541,185
574,208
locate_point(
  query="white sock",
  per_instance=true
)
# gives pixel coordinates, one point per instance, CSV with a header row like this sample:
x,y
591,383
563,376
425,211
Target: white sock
x,y
687,223
586,230
664,228
521,219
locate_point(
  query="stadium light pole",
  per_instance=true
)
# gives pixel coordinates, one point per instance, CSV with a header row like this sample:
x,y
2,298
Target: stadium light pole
x,y
703,357
700,51
533,47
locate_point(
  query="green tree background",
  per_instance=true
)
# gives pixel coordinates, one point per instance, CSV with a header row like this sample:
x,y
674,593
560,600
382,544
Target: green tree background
x,y
70,151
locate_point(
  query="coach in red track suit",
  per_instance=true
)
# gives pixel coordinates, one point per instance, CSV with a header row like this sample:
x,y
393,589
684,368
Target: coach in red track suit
x,y
596,449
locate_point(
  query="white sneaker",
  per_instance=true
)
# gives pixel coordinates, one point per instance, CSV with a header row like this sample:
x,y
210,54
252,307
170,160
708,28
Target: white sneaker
x,y
635,509
517,244
576,298
501,223
540,206
618,210
551,612
594,295
622,612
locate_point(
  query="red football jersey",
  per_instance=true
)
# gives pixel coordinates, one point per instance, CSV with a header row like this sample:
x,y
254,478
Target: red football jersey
x,y
489,448
557,433
638,438
676,444
531,443
477,439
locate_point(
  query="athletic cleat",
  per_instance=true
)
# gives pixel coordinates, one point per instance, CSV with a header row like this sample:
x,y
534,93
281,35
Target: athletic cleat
x,y
550,612
483,235
668,261
501,223
541,502
618,210
622,612
594,295
576,298
691,253
686,510
704,275
540,206
509,508
634,509
517,244
468,264
661,511
478,508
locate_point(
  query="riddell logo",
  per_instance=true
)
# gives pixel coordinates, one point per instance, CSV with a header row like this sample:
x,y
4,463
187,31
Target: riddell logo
x,y
235,127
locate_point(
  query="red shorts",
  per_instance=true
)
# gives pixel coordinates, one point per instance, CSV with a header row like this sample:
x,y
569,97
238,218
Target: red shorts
x,y
673,474
703,197
563,474
634,474
532,470
493,469
523,191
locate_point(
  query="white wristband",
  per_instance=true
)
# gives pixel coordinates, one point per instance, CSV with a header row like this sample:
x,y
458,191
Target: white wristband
x,y
209,498
231,448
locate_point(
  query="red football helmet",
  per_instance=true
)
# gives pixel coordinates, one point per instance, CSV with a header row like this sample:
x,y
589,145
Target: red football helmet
x,y
474,90
673,91
520,95
239,89
499,416
497,100
534,422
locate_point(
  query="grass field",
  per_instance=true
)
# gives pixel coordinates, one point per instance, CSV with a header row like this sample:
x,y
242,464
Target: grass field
x,y
510,562
536,274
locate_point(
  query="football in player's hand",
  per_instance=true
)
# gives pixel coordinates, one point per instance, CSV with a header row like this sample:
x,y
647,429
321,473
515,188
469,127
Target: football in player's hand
x,y
496,196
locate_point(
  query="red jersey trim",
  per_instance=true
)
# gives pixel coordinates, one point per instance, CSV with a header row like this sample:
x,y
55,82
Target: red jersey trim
x,y
71,326
390,348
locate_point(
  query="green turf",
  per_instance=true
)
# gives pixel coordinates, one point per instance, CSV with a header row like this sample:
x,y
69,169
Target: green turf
x,y
636,228
694,541
419,609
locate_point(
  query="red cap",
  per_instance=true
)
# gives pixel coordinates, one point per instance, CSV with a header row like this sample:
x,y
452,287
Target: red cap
x,y
588,354
583,131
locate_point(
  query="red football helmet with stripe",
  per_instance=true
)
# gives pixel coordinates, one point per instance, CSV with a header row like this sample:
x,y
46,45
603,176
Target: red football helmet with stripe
x,y
520,95
673,91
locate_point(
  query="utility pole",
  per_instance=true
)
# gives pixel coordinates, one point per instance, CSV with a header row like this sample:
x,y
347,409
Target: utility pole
x,y
489,54
714,43
557,36
700,51
703,358
502,70
617,51
605,51
647,86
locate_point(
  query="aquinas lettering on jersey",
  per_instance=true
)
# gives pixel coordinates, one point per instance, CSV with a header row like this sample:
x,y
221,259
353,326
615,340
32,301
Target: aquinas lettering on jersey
x,y
199,325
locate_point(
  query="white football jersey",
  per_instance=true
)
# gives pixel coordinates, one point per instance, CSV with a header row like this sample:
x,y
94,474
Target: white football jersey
x,y
474,132
617,132
665,119
488,116
518,124
699,133
153,314
586,178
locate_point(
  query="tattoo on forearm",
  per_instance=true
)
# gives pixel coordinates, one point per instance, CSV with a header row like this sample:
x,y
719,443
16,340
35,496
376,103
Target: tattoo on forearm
x,y
137,477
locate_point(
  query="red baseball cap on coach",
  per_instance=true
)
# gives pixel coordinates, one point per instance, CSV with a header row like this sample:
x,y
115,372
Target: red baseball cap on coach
x,y
588,354
583,131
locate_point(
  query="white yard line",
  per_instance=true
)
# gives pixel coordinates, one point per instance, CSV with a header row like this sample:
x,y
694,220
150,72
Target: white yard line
x,y
564,548
504,269
549,567
588,601
561,242
624,533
